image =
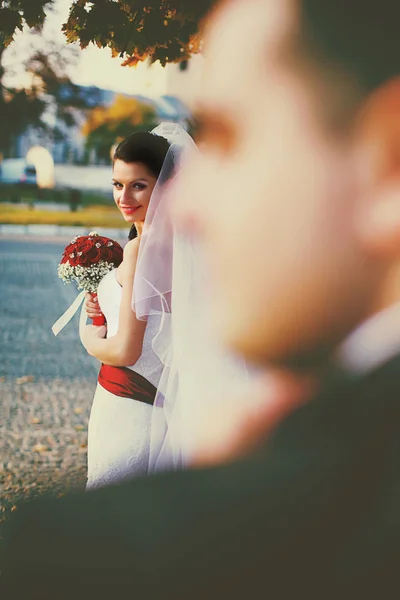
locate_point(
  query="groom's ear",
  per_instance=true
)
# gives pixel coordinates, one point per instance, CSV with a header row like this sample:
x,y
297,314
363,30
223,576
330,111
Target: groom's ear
x,y
378,137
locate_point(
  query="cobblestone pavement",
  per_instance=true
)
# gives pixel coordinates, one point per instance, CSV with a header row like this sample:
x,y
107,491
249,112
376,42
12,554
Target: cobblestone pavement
x,y
46,383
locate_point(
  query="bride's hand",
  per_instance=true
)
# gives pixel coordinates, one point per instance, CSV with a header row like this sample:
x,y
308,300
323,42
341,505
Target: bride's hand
x,y
92,306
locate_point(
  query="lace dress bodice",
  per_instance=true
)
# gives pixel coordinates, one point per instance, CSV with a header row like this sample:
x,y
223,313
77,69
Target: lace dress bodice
x,y
109,295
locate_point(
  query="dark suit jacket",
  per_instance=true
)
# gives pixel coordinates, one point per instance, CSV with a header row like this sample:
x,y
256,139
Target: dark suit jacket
x,y
315,513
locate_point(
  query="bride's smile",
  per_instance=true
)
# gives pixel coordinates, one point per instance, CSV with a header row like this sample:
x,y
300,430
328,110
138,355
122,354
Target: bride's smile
x,y
129,210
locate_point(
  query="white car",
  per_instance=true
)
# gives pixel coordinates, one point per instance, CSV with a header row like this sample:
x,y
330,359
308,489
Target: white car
x,y
17,171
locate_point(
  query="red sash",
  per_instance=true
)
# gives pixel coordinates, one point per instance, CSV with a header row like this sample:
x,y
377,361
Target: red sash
x,y
126,383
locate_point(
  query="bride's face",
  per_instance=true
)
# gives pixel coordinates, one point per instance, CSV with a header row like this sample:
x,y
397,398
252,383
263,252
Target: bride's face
x,y
133,185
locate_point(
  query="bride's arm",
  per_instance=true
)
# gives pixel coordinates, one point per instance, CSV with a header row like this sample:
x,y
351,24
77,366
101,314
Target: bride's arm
x,y
125,347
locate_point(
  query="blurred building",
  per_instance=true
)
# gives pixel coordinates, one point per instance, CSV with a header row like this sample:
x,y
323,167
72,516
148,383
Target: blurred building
x,y
63,136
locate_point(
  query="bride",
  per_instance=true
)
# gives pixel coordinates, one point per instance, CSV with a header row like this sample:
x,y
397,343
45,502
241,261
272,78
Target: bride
x,y
120,421
163,372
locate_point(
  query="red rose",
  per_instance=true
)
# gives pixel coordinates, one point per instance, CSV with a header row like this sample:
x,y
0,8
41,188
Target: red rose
x,y
67,251
84,244
89,250
86,250
110,251
114,255
73,259
93,255
83,260
105,254
118,255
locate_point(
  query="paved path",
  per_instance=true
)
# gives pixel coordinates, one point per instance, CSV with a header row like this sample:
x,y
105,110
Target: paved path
x,y
46,383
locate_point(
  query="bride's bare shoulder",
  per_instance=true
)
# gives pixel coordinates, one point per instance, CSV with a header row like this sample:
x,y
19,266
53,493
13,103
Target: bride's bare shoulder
x,y
130,257
131,249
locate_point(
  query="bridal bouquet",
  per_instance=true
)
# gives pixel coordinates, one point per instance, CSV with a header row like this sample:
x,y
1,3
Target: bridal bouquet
x,y
86,260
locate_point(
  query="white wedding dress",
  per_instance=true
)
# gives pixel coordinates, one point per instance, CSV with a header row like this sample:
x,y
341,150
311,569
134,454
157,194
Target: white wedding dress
x,y
119,428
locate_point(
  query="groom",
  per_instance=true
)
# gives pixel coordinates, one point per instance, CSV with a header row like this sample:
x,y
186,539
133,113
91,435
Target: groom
x,y
297,200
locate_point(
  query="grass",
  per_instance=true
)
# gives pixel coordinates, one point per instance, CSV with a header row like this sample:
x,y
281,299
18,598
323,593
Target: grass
x,y
91,216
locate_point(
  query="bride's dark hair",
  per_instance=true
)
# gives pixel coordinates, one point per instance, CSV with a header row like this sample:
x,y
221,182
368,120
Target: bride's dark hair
x,y
146,148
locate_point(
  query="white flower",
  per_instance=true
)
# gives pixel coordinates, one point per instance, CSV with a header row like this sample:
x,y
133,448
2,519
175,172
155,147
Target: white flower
x,y
93,233
87,278
98,245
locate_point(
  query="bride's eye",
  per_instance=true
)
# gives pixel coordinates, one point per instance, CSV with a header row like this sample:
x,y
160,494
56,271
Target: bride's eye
x,y
139,186
116,184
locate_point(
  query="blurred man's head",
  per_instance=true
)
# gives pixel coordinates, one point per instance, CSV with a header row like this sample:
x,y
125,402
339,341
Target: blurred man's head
x,y
300,175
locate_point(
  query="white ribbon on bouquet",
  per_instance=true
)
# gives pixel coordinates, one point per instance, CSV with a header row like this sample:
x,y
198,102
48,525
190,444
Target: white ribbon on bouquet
x,y
69,313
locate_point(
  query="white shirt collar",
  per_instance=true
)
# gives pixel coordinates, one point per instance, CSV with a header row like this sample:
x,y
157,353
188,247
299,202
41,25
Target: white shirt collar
x,y
373,343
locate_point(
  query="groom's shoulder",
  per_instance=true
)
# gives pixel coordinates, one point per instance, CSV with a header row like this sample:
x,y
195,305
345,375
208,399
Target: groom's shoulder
x,y
348,406
375,390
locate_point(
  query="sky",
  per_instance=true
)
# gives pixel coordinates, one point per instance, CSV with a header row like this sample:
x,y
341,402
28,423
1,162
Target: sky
x,y
95,66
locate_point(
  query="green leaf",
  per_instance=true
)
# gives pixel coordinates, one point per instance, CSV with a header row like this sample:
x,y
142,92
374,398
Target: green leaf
x,y
138,29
